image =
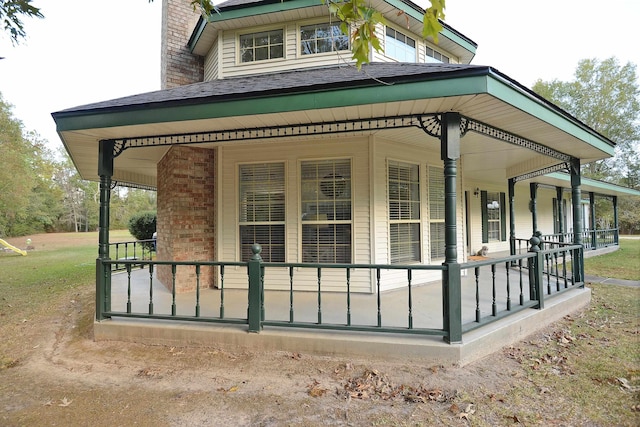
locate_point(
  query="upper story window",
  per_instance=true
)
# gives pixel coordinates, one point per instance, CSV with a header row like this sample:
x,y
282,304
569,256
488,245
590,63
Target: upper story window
x,y
261,46
435,56
399,46
320,38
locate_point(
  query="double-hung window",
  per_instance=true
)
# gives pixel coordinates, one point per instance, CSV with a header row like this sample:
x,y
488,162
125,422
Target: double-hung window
x,y
399,46
320,38
436,212
262,210
494,228
326,207
404,212
262,46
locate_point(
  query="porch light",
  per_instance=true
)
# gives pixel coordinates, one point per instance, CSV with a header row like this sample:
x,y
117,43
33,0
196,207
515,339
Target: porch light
x,y
476,192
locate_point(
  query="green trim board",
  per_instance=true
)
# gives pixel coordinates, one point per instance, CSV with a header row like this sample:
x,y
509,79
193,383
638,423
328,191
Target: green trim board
x,y
300,101
506,90
468,82
606,188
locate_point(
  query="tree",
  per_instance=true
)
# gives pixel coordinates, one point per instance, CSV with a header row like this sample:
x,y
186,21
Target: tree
x,y
606,97
360,16
11,12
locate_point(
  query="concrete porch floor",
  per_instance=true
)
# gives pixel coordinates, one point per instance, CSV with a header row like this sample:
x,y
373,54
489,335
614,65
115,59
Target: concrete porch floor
x,y
426,312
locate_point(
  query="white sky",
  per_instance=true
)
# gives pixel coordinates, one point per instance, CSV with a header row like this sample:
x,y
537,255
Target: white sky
x,y
81,53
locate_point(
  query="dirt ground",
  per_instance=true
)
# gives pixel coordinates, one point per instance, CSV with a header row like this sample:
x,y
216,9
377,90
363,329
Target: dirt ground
x,y
61,377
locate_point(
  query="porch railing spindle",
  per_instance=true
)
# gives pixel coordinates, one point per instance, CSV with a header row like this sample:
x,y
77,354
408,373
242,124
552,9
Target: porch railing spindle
x,y
477,274
379,297
290,294
128,288
197,290
494,306
410,300
319,296
222,291
521,285
506,266
348,297
150,288
173,289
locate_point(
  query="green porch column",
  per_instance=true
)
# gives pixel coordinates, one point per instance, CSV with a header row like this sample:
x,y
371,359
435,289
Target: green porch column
x,y
592,209
103,273
560,214
576,202
452,293
533,204
512,216
616,226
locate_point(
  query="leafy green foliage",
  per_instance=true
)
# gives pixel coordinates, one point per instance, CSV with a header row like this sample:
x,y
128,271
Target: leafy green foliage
x,y
605,96
11,12
143,225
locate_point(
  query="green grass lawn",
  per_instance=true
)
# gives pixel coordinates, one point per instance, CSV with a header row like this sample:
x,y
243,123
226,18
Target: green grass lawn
x,y
621,264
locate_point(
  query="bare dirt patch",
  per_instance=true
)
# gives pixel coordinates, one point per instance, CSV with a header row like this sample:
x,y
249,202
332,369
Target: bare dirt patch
x,y
52,373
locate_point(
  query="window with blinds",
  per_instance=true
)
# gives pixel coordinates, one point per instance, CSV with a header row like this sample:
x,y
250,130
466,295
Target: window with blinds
x,y
436,212
262,210
404,212
493,216
326,206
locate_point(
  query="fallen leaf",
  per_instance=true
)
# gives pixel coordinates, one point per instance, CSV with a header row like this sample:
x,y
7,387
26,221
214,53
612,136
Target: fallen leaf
x,y
65,402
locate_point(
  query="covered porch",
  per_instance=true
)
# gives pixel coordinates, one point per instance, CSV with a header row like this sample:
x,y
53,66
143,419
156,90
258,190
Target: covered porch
x,y
468,126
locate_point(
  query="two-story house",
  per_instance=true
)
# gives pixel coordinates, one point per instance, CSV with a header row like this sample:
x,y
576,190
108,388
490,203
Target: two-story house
x,y
265,132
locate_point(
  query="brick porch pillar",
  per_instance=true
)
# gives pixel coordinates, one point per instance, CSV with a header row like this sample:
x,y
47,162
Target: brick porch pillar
x,y
186,215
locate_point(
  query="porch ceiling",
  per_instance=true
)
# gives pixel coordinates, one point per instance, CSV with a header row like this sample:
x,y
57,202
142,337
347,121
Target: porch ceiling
x,y
479,93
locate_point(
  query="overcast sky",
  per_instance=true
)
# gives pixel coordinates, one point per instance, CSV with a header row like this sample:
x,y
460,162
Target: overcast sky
x,y
81,54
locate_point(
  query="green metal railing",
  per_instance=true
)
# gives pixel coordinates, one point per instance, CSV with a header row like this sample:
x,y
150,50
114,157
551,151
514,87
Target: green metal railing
x,y
138,250
493,289
522,281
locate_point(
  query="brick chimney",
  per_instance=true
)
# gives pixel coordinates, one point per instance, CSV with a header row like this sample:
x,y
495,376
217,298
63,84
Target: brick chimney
x,y
179,66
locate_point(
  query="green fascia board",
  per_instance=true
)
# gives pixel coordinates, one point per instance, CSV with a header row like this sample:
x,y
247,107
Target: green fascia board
x,y
446,32
301,101
261,9
510,93
607,188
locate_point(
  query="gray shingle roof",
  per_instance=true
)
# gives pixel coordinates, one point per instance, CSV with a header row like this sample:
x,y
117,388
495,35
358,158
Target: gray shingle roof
x,y
306,80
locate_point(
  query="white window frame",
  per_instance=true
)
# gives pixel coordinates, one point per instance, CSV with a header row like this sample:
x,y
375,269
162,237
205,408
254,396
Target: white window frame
x,y
434,57
494,221
338,34
269,45
404,205
323,201
274,192
397,42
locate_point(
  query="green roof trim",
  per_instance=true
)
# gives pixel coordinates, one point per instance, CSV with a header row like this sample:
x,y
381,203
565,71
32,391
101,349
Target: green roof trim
x,y
446,31
602,185
510,93
300,101
261,9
